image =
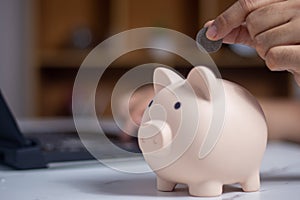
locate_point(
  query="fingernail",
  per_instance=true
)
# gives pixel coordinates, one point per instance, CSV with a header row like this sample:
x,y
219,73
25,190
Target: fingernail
x,y
211,32
291,71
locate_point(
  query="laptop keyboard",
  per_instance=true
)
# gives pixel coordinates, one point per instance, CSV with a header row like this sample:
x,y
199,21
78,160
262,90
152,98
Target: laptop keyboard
x,y
58,147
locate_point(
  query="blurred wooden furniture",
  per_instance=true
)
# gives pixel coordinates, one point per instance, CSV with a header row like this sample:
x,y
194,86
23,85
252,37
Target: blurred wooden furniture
x,y
67,30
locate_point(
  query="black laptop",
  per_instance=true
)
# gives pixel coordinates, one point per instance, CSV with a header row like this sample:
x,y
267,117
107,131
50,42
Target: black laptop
x,y
36,150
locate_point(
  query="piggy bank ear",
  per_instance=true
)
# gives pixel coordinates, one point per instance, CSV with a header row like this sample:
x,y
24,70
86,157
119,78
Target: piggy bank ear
x,y
206,86
203,82
163,77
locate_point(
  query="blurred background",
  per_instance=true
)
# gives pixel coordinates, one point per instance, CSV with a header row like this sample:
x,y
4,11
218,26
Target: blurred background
x,y
43,43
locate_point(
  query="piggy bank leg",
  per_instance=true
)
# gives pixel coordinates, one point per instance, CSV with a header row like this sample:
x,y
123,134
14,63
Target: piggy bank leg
x,y
164,185
206,189
252,183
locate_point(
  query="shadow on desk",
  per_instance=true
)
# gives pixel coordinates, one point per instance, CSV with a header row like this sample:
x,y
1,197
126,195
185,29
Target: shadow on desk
x,y
145,185
136,186
280,178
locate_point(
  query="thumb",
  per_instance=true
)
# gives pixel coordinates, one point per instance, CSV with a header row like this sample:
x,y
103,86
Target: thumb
x,y
239,35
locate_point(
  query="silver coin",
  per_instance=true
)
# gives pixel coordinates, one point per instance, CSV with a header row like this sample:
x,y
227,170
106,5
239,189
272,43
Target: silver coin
x,y
209,45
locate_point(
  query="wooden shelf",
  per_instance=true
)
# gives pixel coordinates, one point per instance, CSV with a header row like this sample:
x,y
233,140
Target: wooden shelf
x,y
61,22
62,58
73,58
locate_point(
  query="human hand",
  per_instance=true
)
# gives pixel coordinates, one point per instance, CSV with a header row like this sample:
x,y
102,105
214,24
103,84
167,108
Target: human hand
x,y
272,27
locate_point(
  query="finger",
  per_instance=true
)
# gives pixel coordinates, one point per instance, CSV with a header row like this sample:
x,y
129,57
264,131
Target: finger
x,y
234,16
207,24
297,78
239,35
284,58
287,34
273,15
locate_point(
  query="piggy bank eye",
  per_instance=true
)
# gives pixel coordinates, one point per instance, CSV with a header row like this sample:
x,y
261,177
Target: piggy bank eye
x,y
177,105
150,103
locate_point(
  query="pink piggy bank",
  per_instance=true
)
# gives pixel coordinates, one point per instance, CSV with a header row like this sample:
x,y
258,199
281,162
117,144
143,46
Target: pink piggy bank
x,y
202,131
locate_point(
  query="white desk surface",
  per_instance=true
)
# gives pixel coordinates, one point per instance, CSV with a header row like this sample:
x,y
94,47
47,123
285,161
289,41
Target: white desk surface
x,y
280,179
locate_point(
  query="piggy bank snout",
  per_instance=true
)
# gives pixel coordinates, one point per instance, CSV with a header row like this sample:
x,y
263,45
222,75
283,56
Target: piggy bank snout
x,y
154,135
158,113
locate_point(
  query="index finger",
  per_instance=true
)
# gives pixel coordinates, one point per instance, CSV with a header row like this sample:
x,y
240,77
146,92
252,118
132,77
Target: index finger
x,y
234,16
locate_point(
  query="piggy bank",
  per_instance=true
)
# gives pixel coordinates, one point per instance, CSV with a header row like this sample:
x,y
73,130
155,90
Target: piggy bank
x,y
202,131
